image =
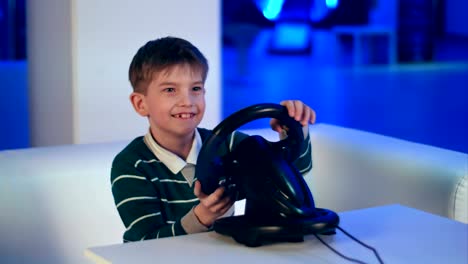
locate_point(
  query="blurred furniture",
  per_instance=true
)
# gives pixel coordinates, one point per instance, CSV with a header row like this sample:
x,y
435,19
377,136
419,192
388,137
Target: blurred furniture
x,y
382,23
362,41
388,229
242,22
291,33
56,201
417,21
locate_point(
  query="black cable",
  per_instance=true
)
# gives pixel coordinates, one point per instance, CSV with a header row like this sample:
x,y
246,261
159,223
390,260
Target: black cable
x,y
355,239
362,243
337,252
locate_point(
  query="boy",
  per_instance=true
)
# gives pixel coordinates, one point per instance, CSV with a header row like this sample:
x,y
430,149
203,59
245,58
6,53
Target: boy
x,y
152,179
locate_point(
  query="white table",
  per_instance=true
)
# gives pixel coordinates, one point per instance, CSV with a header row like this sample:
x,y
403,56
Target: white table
x,y
400,235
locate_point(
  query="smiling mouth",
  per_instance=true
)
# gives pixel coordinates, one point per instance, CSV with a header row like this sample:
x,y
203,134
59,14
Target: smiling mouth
x,y
184,115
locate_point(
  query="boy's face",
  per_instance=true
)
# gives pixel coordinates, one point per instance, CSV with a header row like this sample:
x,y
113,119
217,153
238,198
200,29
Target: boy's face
x,y
174,102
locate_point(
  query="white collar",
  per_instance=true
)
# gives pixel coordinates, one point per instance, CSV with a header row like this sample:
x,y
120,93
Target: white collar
x,y
171,160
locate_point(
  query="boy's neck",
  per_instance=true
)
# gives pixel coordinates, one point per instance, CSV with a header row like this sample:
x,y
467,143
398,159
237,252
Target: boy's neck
x,y
180,146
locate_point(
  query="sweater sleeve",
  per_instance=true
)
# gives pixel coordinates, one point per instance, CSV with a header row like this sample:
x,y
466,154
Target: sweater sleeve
x,y
304,162
138,204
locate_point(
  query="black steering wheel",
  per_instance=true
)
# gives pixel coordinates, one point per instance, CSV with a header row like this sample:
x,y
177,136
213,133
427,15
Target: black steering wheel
x,y
279,204
209,169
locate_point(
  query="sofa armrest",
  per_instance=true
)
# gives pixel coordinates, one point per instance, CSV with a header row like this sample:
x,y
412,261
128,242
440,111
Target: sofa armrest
x,y
355,169
56,201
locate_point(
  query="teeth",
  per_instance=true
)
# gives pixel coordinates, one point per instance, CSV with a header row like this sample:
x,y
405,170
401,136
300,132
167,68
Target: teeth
x,y
185,116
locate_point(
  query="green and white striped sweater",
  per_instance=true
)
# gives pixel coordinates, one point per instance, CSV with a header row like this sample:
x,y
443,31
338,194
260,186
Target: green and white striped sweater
x,y
152,201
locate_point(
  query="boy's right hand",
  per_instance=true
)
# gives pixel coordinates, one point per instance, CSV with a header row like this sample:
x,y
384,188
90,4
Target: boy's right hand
x,y
211,206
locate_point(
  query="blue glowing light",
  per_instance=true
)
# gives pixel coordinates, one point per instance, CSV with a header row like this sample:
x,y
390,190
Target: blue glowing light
x,y
271,8
331,3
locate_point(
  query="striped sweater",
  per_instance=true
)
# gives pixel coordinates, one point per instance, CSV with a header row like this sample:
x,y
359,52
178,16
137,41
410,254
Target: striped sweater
x,y
151,200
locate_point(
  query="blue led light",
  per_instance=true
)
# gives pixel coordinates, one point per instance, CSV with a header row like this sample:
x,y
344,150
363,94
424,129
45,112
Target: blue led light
x,y
331,3
271,8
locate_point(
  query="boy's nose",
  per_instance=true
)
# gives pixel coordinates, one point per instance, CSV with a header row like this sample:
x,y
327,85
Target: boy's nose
x,y
186,99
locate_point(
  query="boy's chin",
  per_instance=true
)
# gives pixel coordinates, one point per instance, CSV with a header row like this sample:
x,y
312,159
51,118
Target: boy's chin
x,y
186,131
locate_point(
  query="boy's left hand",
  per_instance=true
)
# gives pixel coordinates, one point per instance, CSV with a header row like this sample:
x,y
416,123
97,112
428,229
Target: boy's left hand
x,y
211,206
297,110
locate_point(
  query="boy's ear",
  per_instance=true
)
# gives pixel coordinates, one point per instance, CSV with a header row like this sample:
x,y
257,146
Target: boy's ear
x,y
139,103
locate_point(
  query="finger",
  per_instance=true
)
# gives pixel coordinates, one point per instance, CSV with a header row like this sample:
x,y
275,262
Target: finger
x,y
290,106
226,208
198,192
214,198
275,125
218,207
313,116
298,110
306,116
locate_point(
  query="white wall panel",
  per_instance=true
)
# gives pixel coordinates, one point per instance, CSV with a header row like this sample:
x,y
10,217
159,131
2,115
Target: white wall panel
x,y
104,35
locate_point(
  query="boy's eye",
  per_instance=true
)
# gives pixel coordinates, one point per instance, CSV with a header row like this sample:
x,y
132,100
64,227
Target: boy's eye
x,y
169,90
197,88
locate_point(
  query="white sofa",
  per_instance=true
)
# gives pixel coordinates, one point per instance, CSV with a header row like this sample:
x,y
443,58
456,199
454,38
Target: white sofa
x,y
56,201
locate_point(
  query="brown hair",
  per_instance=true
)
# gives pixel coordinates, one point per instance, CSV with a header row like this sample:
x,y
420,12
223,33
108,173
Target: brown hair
x,y
161,54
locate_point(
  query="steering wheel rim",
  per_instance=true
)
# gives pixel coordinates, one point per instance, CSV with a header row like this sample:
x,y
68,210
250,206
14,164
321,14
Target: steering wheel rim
x,y
206,171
